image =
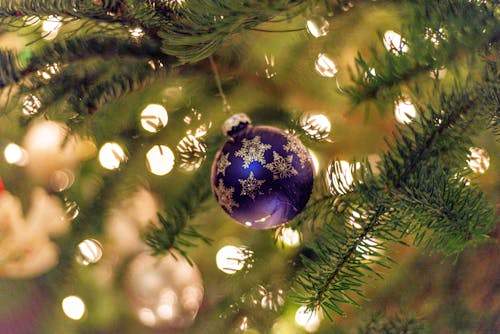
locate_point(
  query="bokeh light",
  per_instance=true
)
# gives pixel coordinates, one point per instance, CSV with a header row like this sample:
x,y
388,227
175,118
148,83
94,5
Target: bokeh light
x,y
16,155
231,259
73,307
160,160
394,43
478,160
89,251
325,66
317,26
404,111
111,155
154,117
310,320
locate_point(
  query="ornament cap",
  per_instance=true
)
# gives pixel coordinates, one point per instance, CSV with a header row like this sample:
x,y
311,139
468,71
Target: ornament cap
x,y
235,124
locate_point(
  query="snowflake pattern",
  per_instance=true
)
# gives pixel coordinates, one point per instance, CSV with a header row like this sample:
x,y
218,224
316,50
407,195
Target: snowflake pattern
x,y
252,150
281,167
295,146
223,163
225,196
251,186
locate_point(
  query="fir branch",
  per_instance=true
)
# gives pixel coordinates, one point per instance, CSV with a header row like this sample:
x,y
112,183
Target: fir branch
x,y
199,31
173,231
410,184
10,71
436,38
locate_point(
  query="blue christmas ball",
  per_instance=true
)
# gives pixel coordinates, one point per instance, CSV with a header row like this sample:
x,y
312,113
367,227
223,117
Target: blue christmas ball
x,y
262,177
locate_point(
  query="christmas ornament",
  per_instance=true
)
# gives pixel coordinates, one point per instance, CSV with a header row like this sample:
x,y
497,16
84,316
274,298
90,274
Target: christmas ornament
x,y
1,186
262,177
164,292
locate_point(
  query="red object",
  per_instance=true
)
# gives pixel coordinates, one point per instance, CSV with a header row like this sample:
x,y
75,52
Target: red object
x,y
1,186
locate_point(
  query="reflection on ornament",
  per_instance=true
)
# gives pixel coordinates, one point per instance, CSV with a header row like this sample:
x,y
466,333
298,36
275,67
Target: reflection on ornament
x,y
154,117
340,177
231,259
325,66
394,43
89,251
317,26
310,320
31,104
262,177
316,126
160,160
165,291
72,210
61,180
16,155
73,307
405,111
288,236
111,155
478,160
315,161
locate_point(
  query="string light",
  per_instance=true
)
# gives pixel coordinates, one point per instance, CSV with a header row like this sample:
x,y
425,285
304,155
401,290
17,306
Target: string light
x,y
478,160
51,26
160,160
111,156
231,259
316,126
340,177
394,43
310,320
404,111
289,236
317,26
16,155
154,117
73,307
31,105
136,32
325,66
89,251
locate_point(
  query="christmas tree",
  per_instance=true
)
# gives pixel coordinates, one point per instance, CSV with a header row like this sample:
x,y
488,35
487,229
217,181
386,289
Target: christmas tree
x,y
125,209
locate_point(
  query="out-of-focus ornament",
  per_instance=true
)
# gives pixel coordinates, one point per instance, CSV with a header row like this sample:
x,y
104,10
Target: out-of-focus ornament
x,y
1,186
317,26
262,177
164,291
26,248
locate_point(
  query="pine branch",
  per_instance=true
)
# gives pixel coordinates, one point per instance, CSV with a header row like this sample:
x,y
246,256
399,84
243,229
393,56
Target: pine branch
x,y
410,184
173,231
437,35
10,71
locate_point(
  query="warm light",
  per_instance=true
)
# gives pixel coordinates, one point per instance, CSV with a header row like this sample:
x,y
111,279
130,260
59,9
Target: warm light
x,y
308,319
16,155
147,317
435,36
230,259
315,162
90,251
160,160
50,27
354,218
49,71
270,62
111,155
136,32
289,236
325,66
340,177
394,42
405,111
479,160
73,307
31,104
317,26
192,152
316,125
154,117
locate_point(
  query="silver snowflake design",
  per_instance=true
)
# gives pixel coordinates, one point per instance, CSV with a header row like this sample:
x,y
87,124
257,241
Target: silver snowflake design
x,y
251,186
252,150
295,146
281,167
223,163
225,196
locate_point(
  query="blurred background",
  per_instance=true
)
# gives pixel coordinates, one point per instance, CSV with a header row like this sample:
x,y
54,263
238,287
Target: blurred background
x,y
90,272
